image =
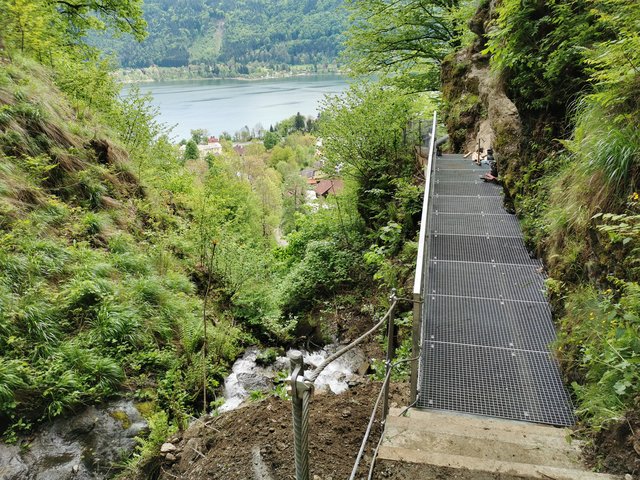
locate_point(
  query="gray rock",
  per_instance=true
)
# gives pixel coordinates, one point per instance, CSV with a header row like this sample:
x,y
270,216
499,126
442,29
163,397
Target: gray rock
x,y
11,465
80,447
167,447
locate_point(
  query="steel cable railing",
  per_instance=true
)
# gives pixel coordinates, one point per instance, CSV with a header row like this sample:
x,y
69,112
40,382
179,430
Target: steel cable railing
x,y
301,387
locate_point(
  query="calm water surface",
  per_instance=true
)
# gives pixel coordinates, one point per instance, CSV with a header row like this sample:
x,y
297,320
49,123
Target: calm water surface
x,y
229,105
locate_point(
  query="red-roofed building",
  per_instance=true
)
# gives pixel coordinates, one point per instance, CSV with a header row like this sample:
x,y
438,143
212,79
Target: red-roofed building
x,y
324,188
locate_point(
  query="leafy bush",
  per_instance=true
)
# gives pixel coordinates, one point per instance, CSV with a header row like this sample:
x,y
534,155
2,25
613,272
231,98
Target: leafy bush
x,y
324,269
600,342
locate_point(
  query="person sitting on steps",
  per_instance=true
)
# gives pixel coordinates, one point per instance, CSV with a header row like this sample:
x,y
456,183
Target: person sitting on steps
x,y
491,176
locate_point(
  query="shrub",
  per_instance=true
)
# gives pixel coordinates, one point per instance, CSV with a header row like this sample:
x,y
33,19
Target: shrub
x,y
323,270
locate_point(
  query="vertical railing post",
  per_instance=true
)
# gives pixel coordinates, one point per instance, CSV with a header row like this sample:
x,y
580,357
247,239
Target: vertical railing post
x,y
300,391
390,351
415,346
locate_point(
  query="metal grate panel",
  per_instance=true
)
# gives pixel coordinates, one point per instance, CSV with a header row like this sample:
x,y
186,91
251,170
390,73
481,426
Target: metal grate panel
x,y
445,176
489,322
469,189
478,204
505,383
484,280
480,249
474,224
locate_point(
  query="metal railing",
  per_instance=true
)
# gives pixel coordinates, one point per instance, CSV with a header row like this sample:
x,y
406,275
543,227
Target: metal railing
x,y
301,385
421,265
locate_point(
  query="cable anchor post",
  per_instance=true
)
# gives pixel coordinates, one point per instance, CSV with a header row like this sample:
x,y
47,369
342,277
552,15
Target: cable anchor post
x,y
300,389
390,351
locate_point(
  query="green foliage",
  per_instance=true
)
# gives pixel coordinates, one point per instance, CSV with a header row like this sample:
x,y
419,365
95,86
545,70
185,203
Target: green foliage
x,y
42,28
572,69
191,151
550,72
403,40
271,139
600,341
234,37
324,269
363,132
148,448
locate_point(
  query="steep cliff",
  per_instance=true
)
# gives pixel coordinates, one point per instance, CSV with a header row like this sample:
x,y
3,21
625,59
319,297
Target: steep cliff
x,y
478,111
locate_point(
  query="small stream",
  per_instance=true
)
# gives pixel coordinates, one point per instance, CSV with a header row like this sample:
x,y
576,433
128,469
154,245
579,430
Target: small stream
x,y
85,446
247,376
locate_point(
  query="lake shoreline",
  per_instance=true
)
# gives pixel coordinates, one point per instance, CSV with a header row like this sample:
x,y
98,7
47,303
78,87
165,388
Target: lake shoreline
x,y
177,74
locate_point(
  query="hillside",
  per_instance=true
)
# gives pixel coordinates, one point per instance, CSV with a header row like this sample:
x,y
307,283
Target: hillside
x,y
128,269
233,37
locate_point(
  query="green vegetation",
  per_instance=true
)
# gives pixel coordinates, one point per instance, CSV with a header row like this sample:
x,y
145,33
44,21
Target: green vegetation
x,y
405,41
231,37
127,268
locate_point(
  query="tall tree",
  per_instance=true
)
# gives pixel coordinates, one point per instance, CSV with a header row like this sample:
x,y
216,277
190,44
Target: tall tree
x,y
362,134
44,27
403,40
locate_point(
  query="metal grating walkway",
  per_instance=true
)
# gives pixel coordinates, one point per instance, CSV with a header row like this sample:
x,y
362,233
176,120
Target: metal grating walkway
x,y
487,323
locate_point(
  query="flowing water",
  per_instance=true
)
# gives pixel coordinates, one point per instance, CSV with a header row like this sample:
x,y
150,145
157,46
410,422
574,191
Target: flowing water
x,y
227,105
247,376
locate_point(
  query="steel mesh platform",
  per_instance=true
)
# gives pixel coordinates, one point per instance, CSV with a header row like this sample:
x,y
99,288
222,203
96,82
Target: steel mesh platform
x,y
506,383
485,280
487,324
474,224
472,189
467,204
480,249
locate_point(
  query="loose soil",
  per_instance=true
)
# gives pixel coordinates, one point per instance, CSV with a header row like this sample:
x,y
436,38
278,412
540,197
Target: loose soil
x,y
616,449
256,441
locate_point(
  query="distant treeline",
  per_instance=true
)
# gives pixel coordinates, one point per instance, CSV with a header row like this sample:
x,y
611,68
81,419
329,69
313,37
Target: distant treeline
x,y
228,36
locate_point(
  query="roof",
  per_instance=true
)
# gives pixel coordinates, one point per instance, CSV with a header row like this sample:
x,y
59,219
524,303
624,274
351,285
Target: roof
x,y
308,172
239,149
326,187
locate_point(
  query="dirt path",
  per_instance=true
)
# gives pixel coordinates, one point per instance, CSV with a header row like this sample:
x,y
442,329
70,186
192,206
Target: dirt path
x,y
255,442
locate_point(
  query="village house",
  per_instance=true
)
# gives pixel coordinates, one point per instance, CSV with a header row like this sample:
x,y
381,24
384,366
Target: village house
x,y
212,146
324,188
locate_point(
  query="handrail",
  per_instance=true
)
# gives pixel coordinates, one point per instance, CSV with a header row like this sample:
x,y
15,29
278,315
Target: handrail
x,y
418,282
312,377
301,386
386,382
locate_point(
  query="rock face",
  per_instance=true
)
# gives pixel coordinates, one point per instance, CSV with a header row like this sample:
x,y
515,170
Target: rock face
x,y
478,110
81,447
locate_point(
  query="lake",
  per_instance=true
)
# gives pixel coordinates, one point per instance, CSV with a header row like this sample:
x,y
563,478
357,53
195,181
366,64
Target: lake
x,y
229,105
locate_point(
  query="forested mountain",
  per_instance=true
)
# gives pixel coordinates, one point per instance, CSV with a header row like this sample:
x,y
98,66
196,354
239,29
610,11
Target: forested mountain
x,y
230,33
